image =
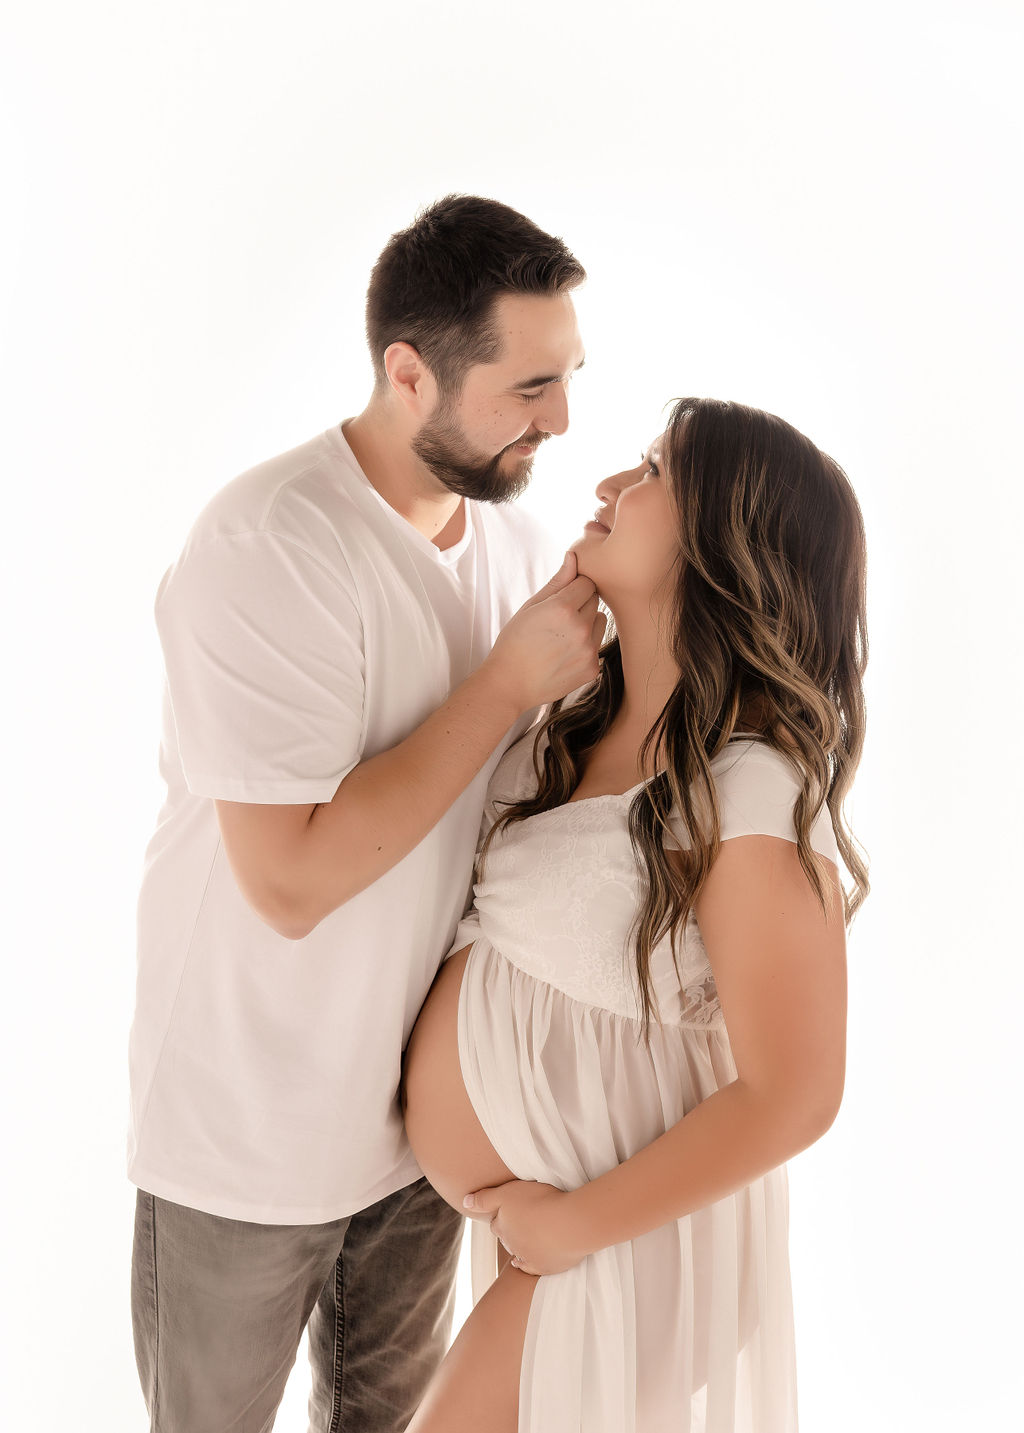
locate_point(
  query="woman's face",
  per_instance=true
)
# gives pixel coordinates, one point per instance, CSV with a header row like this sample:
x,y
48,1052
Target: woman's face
x,y
630,547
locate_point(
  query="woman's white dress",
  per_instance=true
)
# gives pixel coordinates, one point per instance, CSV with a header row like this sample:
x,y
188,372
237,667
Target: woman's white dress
x,y
690,1328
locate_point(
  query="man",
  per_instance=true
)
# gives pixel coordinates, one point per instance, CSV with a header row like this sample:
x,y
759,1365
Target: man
x,y
337,695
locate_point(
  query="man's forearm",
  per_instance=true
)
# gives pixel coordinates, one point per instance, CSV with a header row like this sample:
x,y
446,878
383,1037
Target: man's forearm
x,y
296,864
388,804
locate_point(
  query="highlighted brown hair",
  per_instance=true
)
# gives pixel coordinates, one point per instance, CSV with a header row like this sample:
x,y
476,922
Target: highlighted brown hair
x,y
768,627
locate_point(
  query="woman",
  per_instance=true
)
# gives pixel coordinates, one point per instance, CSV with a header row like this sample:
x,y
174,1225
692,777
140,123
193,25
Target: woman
x,y
645,1013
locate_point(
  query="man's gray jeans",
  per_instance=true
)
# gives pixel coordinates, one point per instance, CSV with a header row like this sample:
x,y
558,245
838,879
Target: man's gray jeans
x,y
219,1305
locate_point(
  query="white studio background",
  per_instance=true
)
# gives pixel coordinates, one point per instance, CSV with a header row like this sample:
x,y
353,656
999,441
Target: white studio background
x,y
808,207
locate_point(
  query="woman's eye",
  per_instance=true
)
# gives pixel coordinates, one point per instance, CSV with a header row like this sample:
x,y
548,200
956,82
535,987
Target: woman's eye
x,y
652,468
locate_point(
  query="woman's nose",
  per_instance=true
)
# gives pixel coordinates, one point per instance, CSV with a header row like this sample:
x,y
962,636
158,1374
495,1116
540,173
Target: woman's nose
x,y
608,489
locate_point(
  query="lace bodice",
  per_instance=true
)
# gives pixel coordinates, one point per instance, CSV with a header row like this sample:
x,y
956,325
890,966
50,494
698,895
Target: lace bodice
x,y
558,896
558,893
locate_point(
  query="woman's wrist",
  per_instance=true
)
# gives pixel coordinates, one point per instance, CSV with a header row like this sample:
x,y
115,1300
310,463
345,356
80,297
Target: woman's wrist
x,y
580,1213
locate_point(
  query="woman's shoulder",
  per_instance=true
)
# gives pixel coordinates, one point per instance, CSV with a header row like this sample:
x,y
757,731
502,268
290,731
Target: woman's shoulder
x,y
753,779
747,765
757,787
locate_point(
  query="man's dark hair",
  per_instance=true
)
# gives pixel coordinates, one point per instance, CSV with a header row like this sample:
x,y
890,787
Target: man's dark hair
x,y
436,283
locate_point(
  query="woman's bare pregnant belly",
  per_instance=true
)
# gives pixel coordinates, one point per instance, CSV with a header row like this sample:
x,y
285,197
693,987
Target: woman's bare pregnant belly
x,y
446,1137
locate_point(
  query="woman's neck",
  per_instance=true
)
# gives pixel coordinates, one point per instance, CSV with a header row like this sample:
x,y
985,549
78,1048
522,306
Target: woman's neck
x,y
649,670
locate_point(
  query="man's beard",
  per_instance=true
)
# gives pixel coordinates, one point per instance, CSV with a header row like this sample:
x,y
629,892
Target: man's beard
x,y
441,446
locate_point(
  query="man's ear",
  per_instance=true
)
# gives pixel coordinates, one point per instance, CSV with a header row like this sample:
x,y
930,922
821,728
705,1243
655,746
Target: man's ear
x,y
410,379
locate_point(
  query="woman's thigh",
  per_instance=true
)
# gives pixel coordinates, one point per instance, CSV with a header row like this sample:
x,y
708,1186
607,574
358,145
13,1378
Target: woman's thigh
x,y
447,1138
476,1389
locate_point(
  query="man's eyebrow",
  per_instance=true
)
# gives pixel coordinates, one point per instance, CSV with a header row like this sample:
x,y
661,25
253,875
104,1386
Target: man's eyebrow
x,y
544,379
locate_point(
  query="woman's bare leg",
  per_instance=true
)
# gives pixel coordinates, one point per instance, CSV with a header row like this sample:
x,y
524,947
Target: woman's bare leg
x,y
476,1389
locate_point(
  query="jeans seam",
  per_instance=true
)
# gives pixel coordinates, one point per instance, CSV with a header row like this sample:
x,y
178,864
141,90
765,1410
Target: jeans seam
x,y
339,1341
156,1311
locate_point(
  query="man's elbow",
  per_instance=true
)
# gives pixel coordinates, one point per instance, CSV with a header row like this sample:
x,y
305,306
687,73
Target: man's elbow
x,y
268,852
289,924
288,913
286,897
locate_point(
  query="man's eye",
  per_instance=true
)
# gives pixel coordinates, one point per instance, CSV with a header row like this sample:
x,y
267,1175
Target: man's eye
x,y
532,397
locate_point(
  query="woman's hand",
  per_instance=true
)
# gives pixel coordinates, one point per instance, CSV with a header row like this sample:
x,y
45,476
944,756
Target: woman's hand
x,y
532,1221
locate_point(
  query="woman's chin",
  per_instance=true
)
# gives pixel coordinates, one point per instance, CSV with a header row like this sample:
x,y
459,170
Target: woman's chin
x,y
583,547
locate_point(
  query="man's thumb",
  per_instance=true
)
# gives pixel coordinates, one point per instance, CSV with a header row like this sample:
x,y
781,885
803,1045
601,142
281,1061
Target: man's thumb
x,y
565,574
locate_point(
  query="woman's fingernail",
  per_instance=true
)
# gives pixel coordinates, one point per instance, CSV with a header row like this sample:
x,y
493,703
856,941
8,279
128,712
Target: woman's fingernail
x,y
469,1202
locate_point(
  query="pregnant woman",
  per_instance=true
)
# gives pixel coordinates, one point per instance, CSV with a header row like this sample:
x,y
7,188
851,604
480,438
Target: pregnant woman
x,y
644,1016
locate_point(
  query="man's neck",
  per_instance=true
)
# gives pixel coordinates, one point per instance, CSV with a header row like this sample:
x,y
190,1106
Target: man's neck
x,y
394,470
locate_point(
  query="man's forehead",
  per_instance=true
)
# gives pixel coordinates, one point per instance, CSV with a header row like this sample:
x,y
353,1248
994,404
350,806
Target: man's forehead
x,y
540,341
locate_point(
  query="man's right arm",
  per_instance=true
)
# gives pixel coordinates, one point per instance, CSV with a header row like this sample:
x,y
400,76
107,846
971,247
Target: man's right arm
x,y
296,863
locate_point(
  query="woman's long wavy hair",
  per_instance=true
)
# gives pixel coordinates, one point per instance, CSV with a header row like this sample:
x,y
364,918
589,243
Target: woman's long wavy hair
x,y
767,625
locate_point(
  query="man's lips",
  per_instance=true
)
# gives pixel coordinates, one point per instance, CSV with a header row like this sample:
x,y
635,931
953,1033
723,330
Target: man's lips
x,y
522,447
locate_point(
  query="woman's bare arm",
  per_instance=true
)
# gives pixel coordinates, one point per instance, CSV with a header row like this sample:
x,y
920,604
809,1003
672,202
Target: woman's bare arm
x,y
780,969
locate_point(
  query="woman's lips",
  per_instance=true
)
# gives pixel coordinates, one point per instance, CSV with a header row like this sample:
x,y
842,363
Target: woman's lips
x,y
597,522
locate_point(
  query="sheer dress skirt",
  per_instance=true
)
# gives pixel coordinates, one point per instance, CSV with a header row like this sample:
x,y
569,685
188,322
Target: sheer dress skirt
x,y
689,1328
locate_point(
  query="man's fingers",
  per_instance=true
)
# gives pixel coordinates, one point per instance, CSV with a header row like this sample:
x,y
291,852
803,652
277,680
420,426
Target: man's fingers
x,y
576,593
566,585
589,608
562,578
598,629
548,648
580,591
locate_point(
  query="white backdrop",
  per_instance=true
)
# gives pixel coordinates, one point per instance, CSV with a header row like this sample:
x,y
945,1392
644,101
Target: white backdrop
x,y
808,207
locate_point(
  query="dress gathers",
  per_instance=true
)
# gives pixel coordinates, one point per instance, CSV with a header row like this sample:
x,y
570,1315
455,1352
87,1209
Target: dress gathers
x,y
689,1328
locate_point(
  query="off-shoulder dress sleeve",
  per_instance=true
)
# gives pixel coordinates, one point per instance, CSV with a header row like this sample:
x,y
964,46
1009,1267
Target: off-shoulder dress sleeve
x,y
757,788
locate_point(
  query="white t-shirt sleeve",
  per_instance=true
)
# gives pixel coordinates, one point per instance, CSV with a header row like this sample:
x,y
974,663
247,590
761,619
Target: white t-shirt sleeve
x,y
264,656
757,789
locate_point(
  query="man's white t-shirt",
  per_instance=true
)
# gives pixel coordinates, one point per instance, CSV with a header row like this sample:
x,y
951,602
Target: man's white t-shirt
x,y
305,627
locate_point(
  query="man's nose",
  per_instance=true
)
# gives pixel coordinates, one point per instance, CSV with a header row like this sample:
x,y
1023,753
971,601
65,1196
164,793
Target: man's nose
x,y
554,414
